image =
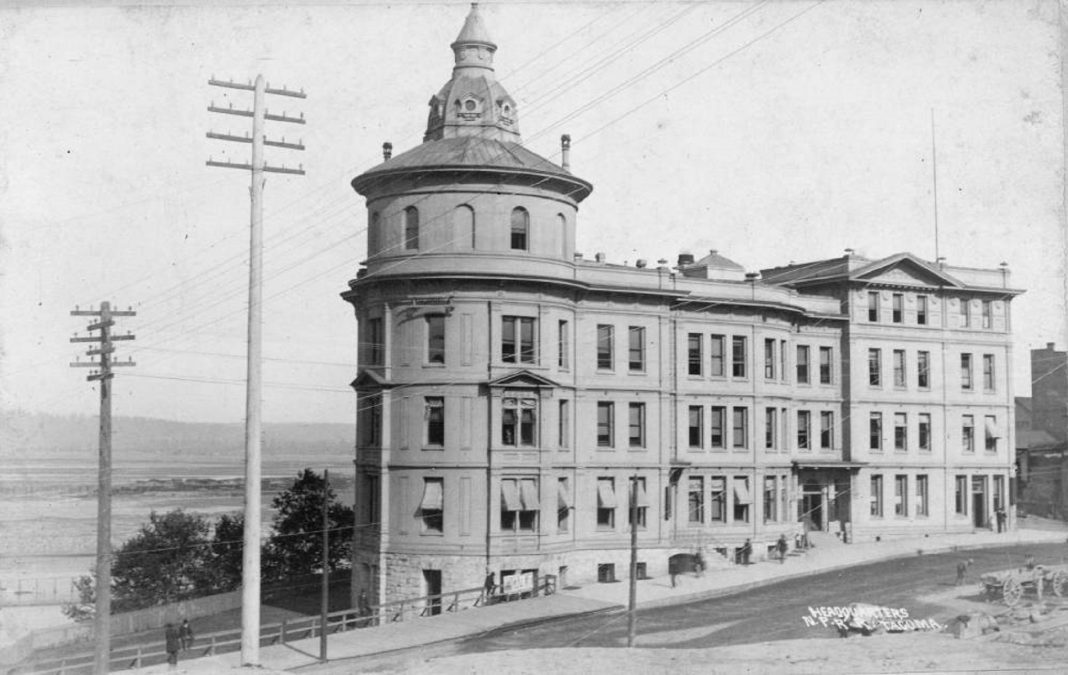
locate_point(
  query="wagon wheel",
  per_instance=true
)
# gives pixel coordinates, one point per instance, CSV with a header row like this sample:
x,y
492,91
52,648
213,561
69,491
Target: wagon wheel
x,y
1011,592
1060,583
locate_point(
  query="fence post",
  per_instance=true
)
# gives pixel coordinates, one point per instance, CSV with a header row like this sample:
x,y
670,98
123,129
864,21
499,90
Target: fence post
x,y
211,647
137,659
282,634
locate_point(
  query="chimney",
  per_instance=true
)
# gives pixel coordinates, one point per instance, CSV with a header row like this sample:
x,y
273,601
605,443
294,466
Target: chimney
x,y
1049,346
848,252
565,152
641,263
685,259
599,257
387,151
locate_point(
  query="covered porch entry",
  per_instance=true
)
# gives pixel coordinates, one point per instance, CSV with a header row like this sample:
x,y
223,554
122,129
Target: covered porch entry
x,y
825,492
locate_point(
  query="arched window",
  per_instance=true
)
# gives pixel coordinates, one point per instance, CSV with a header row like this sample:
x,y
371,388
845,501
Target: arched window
x,y
411,227
562,227
373,235
520,228
463,226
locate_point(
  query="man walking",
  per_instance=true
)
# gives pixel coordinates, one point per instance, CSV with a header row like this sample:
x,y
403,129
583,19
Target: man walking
x,y
783,547
185,635
747,550
173,642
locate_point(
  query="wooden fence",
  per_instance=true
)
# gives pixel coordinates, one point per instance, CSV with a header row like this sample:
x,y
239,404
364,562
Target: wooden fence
x,y
221,642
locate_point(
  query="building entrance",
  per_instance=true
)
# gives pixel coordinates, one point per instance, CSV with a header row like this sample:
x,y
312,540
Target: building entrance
x,y
979,513
432,587
812,507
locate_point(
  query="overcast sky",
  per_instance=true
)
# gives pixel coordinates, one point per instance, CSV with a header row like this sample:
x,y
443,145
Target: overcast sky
x,y
769,131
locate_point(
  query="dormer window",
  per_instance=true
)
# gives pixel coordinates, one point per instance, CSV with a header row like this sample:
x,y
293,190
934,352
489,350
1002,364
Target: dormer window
x,y
469,108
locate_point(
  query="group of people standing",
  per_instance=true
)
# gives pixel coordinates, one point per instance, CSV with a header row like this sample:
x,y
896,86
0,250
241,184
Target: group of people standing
x,y
177,638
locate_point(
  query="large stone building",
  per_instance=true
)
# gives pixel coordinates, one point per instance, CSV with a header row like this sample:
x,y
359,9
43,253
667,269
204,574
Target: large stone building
x,y
510,391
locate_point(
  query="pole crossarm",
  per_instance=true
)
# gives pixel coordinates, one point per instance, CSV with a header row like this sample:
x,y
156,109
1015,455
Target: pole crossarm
x,y
100,338
251,113
266,141
251,87
265,168
97,312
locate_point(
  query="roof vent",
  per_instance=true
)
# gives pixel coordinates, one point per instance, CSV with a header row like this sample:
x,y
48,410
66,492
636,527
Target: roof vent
x,y
640,263
565,152
387,150
685,259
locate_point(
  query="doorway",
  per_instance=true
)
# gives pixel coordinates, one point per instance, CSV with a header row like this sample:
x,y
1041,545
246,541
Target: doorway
x,y
812,508
979,514
432,587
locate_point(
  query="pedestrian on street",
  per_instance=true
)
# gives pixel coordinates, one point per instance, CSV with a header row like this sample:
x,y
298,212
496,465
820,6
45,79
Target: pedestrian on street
x,y
783,547
185,635
698,564
487,587
1000,515
962,571
173,642
747,550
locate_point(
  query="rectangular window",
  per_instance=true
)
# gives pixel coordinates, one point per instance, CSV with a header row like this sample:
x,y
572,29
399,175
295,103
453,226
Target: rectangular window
x,y
693,351
802,364
376,342
899,367
783,372
826,429
605,346
371,494
875,431
563,344
925,432
873,306
718,500
901,431
564,424
738,354
640,506
715,350
965,313
741,427
901,495
636,348
696,427
923,370
411,227
966,372
435,421
605,424
769,359
518,421
804,429
988,318
606,504
373,432
921,310
770,500
563,505
999,493
961,495
432,507
988,372
435,338
718,415
517,339
742,500
877,496
897,308
770,419
875,375
519,505
636,425
967,431
695,498
825,365
990,429
921,495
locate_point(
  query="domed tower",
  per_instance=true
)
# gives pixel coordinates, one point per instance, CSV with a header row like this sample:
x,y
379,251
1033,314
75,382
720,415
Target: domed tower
x,y
465,309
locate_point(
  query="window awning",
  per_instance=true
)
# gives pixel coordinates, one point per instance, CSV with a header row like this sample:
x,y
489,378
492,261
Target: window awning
x,y
563,499
643,498
606,496
741,491
432,497
510,496
991,428
529,493
717,484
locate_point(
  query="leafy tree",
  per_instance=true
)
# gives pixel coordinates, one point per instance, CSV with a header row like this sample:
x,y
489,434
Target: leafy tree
x,y
85,607
227,548
170,559
295,547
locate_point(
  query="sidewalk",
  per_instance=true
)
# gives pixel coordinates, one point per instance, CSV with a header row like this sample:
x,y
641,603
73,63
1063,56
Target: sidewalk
x,y
594,598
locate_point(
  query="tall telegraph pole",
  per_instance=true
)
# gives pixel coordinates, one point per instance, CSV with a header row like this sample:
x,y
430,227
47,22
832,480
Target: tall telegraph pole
x,y
103,374
250,566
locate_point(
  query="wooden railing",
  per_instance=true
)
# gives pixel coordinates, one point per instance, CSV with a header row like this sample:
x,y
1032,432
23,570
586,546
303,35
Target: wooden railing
x,y
290,630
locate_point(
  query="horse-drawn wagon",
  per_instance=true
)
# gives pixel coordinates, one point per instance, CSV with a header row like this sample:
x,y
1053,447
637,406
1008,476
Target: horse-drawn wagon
x,y
1011,585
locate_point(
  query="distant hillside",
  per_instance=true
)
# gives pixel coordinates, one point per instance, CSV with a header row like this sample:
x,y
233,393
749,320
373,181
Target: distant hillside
x,y
60,434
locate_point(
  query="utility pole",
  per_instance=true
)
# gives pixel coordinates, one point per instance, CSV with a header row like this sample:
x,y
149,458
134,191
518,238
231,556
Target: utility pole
x,y
325,604
103,374
632,608
250,563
